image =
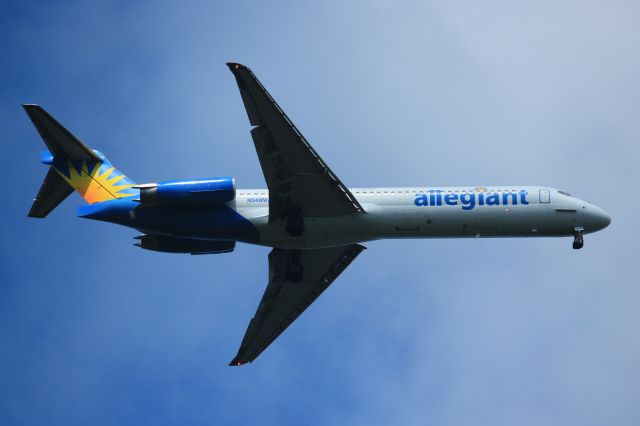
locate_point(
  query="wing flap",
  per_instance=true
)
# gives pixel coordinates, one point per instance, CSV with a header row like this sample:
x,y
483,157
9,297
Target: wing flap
x,y
283,301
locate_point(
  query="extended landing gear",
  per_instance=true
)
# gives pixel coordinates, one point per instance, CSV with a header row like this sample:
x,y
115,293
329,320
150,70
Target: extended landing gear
x,y
294,223
295,226
578,238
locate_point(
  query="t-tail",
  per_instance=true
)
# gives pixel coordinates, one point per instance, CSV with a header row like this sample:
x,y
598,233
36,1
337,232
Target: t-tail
x,y
73,166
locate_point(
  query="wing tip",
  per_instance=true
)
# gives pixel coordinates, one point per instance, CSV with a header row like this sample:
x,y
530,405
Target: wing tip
x,y
236,362
29,108
234,66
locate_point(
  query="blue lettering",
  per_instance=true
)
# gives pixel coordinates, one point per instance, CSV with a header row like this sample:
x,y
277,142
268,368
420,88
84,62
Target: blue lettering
x,y
438,197
451,199
421,200
493,199
468,201
505,198
432,198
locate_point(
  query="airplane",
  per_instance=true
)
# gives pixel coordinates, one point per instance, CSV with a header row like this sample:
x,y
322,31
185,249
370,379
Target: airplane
x,y
312,221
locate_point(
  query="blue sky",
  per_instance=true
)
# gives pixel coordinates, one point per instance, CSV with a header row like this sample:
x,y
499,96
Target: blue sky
x,y
96,331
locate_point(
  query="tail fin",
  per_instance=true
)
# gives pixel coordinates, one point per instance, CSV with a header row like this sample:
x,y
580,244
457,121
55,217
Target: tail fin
x,y
73,166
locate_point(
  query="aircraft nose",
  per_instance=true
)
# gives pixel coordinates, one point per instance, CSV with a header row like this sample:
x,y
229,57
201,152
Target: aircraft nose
x,y
599,218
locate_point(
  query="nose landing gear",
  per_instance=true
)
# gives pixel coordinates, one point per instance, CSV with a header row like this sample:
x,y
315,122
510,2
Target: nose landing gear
x,y
578,238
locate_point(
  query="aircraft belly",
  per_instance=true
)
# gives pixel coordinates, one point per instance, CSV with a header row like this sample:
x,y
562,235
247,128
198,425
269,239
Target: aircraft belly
x,y
407,221
319,232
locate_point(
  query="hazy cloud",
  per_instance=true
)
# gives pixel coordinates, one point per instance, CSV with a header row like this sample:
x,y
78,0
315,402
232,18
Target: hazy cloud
x,y
94,330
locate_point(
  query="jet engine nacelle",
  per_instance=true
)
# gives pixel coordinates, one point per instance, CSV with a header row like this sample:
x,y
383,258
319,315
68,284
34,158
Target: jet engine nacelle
x,y
183,245
189,192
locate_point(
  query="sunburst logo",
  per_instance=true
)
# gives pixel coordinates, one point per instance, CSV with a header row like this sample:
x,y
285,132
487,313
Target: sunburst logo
x,y
96,182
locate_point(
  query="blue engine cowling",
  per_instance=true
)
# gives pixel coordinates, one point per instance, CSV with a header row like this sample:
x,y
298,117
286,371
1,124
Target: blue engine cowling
x,y
189,192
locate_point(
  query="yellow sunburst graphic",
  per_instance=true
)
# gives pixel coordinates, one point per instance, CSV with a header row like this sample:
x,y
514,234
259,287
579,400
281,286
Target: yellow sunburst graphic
x,y
95,186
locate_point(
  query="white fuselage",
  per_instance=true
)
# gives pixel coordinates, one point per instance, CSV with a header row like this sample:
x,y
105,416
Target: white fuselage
x,y
439,212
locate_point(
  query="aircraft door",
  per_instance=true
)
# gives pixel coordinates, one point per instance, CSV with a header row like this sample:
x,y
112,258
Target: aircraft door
x,y
545,196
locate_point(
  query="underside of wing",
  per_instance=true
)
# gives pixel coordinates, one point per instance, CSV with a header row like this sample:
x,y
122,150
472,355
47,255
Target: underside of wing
x,y
296,279
299,181
165,244
53,191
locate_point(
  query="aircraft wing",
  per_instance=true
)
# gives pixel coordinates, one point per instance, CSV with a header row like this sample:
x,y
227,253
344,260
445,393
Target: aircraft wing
x,y
283,301
299,181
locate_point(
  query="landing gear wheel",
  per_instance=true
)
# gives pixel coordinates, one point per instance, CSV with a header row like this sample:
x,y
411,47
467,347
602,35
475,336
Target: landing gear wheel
x,y
295,271
295,226
578,239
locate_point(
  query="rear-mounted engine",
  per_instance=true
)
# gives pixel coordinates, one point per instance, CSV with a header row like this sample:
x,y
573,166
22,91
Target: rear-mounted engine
x,y
190,192
183,245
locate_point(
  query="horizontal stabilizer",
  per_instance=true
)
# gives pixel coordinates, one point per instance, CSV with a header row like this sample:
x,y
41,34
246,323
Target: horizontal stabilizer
x,y
61,142
53,191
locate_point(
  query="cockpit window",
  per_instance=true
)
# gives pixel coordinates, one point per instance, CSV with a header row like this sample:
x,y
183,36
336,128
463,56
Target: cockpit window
x,y
565,193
